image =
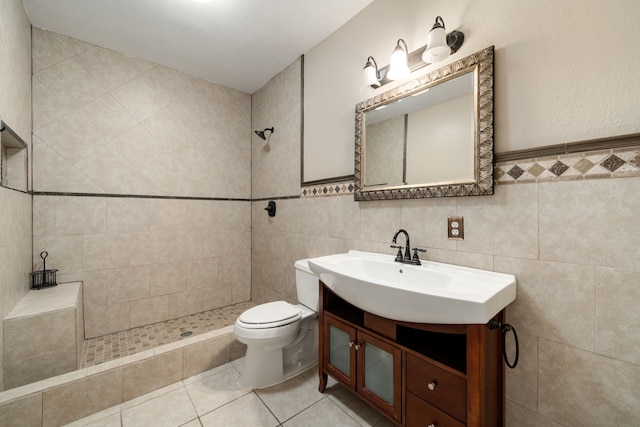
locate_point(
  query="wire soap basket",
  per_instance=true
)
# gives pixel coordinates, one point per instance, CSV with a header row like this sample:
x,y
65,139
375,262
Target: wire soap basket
x,y
43,278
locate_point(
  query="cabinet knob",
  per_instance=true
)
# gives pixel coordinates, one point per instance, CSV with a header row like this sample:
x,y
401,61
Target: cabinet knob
x,y
432,385
350,343
357,346
432,425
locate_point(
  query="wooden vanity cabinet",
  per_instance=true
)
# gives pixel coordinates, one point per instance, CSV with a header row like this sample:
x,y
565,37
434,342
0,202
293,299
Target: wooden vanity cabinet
x,y
414,374
367,365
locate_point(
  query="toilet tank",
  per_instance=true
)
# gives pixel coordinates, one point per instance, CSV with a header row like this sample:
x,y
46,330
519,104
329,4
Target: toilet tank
x,y
306,285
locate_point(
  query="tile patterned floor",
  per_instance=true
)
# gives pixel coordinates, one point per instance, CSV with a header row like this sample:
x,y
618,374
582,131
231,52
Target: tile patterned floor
x,y
214,399
113,346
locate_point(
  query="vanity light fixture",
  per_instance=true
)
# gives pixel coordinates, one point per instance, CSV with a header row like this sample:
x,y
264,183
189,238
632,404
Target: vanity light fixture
x,y
370,73
399,63
439,46
261,133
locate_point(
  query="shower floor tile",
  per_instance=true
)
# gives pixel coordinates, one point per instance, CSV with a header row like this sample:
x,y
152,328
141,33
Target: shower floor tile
x,y
120,344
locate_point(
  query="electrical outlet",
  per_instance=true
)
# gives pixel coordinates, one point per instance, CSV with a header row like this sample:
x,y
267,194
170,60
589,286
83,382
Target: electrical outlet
x,y
455,229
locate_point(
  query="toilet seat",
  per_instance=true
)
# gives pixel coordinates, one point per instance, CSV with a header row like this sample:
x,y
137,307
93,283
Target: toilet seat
x,y
270,315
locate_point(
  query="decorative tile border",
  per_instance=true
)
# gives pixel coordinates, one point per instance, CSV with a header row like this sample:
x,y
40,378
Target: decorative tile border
x,y
327,190
597,164
612,163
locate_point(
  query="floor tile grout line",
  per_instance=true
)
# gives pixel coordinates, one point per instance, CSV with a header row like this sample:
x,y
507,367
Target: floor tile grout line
x,y
183,387
269,409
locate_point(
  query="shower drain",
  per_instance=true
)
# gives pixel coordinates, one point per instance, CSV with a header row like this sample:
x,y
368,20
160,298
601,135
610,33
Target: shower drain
x,y
186,334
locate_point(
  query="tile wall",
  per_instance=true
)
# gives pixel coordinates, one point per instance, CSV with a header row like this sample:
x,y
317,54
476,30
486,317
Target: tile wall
x,y
142,184
279,105
110,124
15,110
146,260
571,241
578,279
15,253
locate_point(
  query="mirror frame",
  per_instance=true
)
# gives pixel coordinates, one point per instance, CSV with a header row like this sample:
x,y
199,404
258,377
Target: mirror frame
x,y
481,64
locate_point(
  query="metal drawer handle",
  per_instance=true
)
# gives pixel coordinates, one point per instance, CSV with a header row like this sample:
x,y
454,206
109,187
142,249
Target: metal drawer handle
x,y
432,385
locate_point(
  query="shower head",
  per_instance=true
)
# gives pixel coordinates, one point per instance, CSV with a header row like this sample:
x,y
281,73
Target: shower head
x,y
261,133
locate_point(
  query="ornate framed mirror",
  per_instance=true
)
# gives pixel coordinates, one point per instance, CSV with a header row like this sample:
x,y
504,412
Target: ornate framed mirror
x,y
430,137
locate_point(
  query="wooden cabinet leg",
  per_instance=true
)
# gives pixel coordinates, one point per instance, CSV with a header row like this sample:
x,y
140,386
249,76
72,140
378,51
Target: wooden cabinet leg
x,y
323,382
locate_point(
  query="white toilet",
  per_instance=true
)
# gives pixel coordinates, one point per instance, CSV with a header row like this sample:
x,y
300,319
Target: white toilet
x,y
281,338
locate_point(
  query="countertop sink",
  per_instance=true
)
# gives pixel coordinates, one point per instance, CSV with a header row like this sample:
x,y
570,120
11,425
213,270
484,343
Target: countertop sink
x,y
430,293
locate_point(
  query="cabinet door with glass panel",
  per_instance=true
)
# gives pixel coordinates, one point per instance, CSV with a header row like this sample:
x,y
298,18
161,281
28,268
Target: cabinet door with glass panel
x,y
379,375
367,365
340,351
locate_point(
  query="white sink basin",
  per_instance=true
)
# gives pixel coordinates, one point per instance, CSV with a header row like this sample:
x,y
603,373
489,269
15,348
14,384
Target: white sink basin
x,y
430,293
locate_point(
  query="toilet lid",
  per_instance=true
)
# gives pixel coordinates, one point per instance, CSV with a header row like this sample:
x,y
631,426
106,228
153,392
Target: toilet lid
x,y
270,312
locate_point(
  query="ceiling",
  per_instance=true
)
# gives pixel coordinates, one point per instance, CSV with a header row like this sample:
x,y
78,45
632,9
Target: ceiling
x,y
240,44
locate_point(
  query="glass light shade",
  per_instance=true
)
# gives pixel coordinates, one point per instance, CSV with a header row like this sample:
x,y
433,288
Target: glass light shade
x,y
369,75
398,65
437,48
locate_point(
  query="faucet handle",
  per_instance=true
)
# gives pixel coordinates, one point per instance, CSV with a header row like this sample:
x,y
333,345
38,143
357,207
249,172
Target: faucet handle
x,y
399,254
415,258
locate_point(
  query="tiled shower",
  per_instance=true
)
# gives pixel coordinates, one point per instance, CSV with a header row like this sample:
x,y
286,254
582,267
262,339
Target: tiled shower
x,y
142,184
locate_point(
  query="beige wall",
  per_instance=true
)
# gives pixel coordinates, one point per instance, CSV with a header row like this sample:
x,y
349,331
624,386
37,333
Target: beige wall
x,y
15,110
543,48
109,124
15,68
275,173
176,146
276,163
572,244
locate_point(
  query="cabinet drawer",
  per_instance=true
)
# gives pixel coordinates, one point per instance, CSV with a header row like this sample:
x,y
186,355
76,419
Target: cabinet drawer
x,y
441,388
423,414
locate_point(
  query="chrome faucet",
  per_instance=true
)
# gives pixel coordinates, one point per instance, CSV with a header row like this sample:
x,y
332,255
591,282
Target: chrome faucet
x,y
406,258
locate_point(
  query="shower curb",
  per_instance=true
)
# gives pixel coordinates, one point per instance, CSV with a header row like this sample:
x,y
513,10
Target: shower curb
x,y
63,399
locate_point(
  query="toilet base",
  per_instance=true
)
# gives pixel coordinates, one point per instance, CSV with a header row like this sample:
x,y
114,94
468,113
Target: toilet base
x,y
264,368
255,376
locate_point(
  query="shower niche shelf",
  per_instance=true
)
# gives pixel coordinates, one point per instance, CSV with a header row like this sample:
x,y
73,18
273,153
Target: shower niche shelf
x,y
13,159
